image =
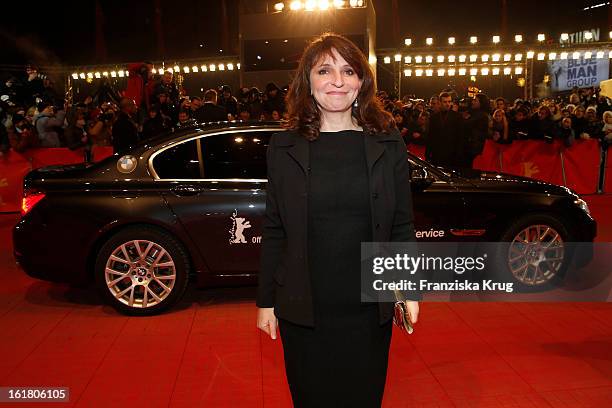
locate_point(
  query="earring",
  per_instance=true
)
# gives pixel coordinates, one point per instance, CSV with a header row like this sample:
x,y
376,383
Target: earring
x,y
355,104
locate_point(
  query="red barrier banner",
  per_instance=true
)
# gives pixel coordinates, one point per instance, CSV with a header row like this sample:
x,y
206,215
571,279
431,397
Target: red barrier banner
x,y
99,153
13,168
50,156
534,159
581,162
489,159
417,150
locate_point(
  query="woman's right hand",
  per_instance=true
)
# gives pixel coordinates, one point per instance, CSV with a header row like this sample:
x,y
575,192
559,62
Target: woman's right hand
x,y
267,321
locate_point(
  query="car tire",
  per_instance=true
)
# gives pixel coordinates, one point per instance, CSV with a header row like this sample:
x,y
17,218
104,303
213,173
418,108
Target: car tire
x,y
532,241
142,271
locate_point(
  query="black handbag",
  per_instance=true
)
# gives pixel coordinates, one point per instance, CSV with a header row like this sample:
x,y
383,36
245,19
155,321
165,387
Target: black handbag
x,y
400,314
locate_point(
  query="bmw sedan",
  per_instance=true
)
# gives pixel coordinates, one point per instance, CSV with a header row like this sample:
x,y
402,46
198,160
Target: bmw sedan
x,y
188,206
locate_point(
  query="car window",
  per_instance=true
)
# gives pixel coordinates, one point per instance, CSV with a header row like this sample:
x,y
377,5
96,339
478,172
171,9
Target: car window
x,y
235,155
178,162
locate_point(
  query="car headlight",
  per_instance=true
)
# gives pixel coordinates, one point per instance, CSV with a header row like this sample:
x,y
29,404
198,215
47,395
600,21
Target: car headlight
x,y
583,206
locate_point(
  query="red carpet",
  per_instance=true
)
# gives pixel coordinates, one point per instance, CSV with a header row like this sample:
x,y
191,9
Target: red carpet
x,y
208,353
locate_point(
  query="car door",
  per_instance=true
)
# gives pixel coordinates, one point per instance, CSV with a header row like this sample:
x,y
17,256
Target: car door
x,y
438,205
222,201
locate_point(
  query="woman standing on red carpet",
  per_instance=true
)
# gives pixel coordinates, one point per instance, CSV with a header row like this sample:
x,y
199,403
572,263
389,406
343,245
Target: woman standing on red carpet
x,y
339,177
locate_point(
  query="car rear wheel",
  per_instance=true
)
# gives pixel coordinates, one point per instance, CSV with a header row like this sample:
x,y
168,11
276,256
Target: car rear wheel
x,y
142,271
536,254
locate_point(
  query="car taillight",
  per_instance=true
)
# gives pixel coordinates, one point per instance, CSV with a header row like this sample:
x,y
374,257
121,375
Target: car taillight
x,y
29,201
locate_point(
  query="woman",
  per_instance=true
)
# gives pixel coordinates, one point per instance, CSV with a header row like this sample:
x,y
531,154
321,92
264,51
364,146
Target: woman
x,y
330,187
499,127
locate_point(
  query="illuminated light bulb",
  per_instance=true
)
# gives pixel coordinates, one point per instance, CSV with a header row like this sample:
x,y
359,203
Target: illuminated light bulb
x,y
484,71
159,71
564,55
82,75
495,71
473,39
309,5
462,71
387,60
177,68
295,5
204,68
507,57
353,3
496,39
530,54
221,67
170,70
496,57
441,72
576,55
407,59
407,72
518,57
451,72
195,68
600,54
372,59
418,59
588,55
121,74
186,69
541,37
473,71
429,72
429,59
462,58
98,75
485,57
451,58
114,74
507,71
518,70
588,35
397,57
338,3
541,56
238,65
230,66
408,41
279,6
429,41
75,76
609,54
212,67
323,4
89,75
440,58
451,40
552,56
419,72
518,38
473,58
564,37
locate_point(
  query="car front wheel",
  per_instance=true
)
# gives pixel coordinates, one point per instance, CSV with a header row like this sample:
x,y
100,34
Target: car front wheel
x,y
142,271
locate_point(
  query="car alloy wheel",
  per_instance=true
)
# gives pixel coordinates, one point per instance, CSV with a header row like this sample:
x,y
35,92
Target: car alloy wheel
x,y
140,273
536,254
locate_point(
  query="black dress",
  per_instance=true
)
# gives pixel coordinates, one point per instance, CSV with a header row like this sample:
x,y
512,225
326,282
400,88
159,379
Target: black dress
x,y
342,361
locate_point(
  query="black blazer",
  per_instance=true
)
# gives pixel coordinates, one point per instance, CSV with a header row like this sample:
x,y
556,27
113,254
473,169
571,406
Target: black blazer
x,y
284,281
209,112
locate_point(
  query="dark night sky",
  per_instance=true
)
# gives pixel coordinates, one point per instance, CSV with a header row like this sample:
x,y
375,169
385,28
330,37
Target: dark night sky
x,y
47,34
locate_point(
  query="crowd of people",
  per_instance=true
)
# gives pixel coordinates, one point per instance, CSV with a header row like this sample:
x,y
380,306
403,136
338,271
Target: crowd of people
x,y
452,128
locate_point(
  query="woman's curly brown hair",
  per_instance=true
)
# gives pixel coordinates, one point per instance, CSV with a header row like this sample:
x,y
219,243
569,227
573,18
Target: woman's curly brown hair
x,y
303,112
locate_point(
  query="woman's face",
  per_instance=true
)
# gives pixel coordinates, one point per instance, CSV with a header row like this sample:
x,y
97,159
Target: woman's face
x,y
497,116
334,83
579,112
398,118
275,115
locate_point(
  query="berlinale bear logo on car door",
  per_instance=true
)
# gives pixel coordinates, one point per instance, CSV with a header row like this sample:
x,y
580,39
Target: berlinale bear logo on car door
x,y
239,224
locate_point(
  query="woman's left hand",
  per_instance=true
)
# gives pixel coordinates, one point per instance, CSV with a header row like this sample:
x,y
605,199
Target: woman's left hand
x,y
412,310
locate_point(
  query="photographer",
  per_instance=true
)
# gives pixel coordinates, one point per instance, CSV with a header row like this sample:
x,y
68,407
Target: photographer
x,y
101,131
21,135
48,125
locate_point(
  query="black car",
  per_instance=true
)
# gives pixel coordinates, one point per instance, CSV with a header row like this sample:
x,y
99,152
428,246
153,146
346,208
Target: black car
x,y
190,204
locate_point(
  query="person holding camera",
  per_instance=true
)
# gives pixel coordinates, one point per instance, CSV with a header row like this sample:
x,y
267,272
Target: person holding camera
x,y
47,124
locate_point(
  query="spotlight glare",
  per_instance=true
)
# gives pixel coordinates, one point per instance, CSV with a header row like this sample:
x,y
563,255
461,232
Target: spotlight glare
x,y
279,6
